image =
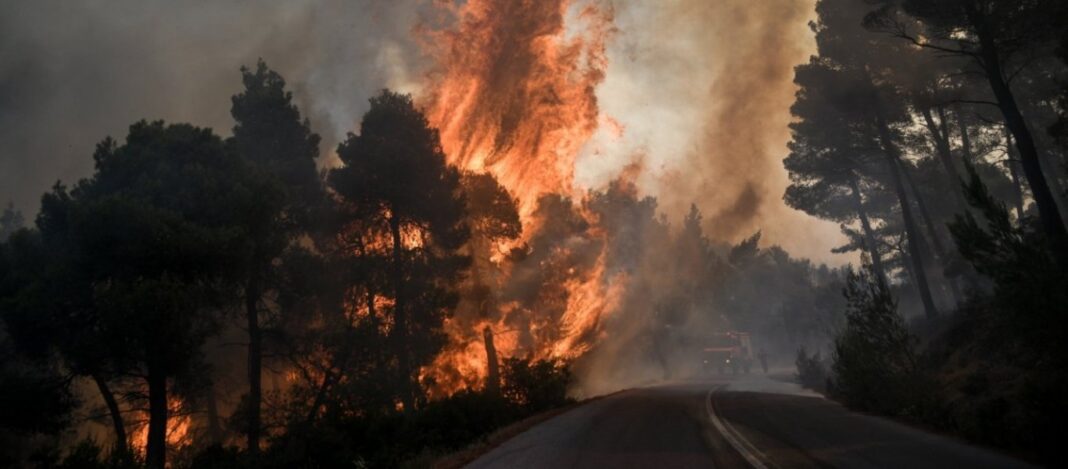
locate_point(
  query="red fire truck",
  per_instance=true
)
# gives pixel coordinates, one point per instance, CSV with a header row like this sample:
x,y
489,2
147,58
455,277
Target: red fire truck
x,y
731,351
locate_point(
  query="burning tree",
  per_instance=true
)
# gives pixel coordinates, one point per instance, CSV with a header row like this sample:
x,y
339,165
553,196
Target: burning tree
x,y
404,206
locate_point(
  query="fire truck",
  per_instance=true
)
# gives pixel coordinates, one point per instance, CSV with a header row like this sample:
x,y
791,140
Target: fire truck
x,y
728,351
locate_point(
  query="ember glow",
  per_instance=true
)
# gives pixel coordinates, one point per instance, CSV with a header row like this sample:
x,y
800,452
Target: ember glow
x,y
179,424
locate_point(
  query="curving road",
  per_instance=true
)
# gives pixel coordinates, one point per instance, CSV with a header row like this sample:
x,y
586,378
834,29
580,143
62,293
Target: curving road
x,y
745,422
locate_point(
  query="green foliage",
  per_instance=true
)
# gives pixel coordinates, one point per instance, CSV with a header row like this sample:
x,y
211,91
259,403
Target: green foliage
x,y
1030,290
272,137
874,360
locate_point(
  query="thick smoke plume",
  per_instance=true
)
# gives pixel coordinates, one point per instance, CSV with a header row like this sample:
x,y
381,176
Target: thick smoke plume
x,y
702,91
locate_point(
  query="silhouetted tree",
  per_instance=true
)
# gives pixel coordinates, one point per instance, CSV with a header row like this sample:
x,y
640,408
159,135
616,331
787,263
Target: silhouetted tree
x,y
10,221
875,360
270,135
847,77
1000,37
153,238
33,383
396,182
493,217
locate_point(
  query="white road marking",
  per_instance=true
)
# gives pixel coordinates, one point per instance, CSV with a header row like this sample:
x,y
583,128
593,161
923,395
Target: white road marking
x,y
752,455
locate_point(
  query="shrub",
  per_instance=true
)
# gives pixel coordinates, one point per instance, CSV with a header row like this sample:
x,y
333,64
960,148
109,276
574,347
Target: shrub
x,y
536,386
874,363
811,370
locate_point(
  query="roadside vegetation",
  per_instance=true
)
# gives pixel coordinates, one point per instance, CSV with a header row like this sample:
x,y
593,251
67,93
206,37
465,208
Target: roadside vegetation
x,y
949,170
187,259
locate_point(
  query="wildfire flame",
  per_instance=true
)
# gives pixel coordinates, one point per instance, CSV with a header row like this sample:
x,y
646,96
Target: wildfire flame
x,y
513,94
179,424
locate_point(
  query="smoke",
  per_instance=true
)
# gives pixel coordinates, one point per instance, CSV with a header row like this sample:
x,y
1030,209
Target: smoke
x,y
685,101
702,91
697,91
73,72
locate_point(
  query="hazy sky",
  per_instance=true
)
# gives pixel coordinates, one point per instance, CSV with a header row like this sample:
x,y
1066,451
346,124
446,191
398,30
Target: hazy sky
x,y
702,89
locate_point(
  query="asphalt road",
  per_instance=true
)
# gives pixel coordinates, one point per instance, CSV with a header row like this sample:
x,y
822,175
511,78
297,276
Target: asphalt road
x,y
729,423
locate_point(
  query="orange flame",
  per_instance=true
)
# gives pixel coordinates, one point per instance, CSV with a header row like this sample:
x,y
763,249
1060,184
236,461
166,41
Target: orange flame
x,y
513,94
179,424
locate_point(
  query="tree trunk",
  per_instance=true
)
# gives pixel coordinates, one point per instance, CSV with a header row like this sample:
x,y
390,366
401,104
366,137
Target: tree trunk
x,y
965,139
936,239
869,234
400,318
255,364
117,424
893,158
1052,173
215,433
1010,162
156,447
945,157
493,373
1049,214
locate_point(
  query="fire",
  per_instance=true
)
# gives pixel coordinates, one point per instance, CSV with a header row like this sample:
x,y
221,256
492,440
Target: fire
x,y
513,94
179,423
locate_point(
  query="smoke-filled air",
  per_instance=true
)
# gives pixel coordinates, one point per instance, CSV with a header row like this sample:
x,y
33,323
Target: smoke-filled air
x,y
494,233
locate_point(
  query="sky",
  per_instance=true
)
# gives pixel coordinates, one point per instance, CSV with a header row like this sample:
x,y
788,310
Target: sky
x,y
696,92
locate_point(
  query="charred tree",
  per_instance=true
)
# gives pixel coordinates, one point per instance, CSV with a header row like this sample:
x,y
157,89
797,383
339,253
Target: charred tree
x,y
156,446
493,371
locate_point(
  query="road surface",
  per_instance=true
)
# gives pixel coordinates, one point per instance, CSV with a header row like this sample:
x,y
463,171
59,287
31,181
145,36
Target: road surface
x,y
744,422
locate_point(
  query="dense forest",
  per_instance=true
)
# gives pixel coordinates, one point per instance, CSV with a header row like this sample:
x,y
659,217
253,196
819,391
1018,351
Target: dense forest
x,y
935,132
209,300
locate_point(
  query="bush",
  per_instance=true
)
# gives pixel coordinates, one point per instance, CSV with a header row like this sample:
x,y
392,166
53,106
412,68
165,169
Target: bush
x,y
812,371
462,418
536,386
391,438
1030,289
217,457
1014,397
875,362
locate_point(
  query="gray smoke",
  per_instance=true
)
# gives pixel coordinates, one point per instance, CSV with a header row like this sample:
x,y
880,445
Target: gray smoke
x,y
72,73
